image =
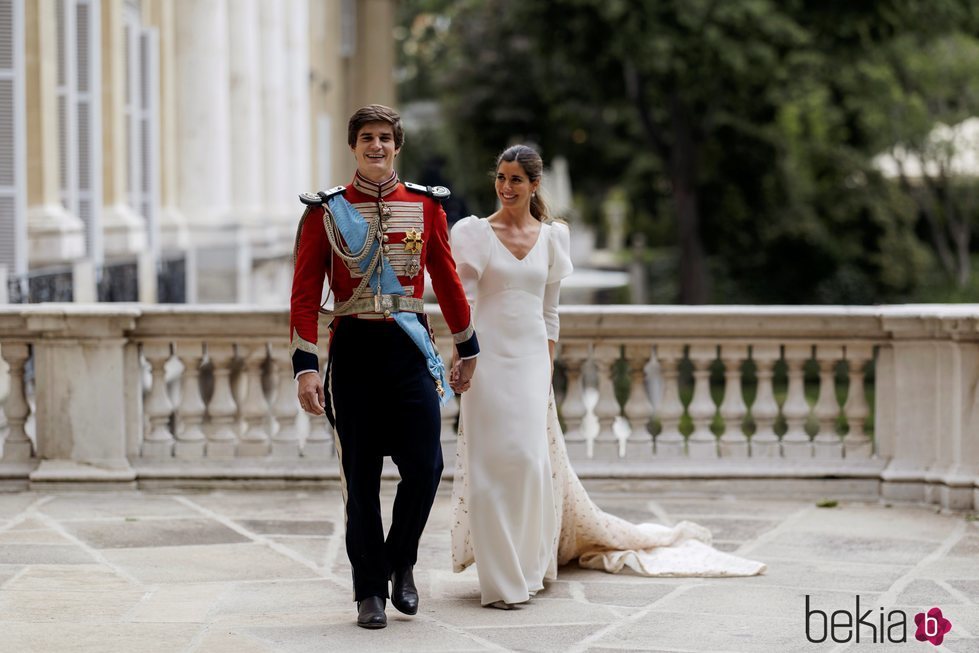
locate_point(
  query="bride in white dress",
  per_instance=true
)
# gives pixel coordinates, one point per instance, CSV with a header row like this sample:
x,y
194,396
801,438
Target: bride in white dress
x,y
519,510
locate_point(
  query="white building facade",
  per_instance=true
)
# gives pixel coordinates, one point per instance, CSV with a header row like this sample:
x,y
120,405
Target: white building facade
x,y
152,150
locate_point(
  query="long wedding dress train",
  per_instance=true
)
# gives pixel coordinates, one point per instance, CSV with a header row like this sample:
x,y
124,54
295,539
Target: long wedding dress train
x,y
595,538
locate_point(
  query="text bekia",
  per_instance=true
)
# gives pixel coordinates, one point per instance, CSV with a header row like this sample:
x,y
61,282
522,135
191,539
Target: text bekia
x,y
842,626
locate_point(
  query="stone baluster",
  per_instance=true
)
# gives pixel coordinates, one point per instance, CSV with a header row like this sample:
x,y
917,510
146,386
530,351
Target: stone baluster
x,y
669,442
17,447
733,442
158,441
285,406
827,443
574,355
796,442
702,443
319,441
857,444
638,408
221,410
606,444
450,411
254,407
764,410
190,412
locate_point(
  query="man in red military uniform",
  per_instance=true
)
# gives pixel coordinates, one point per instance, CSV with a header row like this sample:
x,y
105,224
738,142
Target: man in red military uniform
x,y
373,240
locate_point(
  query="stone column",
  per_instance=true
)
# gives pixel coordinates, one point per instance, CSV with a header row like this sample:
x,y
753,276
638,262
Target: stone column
x,y
915,419
245,64
54,234
372,79
301,127
331,156
80,394
124,229
957,470
203,108
276,132
174,233
222,257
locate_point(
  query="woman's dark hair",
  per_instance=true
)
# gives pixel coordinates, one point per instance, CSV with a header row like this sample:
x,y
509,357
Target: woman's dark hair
x,y
533,166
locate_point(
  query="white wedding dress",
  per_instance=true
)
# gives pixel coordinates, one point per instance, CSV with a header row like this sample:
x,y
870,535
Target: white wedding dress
x,y
519,510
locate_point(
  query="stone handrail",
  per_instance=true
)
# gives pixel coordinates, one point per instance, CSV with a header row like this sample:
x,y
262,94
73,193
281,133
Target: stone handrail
x,y
172,395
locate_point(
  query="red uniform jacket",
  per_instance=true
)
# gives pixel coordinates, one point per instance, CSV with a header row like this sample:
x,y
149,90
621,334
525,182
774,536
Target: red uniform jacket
x,y
411,211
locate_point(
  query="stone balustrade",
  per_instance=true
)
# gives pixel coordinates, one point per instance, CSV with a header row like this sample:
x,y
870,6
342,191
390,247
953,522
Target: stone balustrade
x,y
872,401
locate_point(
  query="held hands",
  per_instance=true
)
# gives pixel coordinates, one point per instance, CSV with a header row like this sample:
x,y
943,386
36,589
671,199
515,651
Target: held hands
x,y
311,396
460,376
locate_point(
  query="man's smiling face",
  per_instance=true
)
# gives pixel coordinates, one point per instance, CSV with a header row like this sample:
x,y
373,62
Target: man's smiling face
x,y
375,151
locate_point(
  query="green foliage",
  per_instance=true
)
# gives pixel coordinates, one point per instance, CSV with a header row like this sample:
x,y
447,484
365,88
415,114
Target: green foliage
x,y
742,131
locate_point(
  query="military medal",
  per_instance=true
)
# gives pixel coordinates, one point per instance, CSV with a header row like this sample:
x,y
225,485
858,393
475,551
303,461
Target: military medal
x,y
413,242
413,245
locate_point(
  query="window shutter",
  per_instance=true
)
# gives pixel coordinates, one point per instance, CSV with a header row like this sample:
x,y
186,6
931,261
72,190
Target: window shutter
x,y
13,165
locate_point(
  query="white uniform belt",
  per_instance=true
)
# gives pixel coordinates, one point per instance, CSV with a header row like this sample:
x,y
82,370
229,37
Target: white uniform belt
x,y
384,305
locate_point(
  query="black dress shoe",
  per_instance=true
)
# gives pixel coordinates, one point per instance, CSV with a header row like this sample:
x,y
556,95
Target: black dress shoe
x,y
370,613
404,596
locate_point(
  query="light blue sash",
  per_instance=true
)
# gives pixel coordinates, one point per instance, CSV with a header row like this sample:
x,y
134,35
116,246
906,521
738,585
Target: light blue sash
x,y
353,228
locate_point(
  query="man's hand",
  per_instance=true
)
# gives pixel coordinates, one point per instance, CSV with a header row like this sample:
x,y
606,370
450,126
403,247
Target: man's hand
x,y
461,375
311,396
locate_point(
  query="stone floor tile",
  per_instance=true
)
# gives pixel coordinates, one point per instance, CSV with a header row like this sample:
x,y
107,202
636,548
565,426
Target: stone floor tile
x,y
841,545
43,554
68,606
12,505
710,632
70,578
968,587
269,602
736,528
272,505
7,572
533,639
136,533
921,592
319,528
219,562
225,642
741,597
692,509
314,550
190,603
829,575
967,547
97,638
470,614
340,633
950,569
40,536
871,520
81,506
633,595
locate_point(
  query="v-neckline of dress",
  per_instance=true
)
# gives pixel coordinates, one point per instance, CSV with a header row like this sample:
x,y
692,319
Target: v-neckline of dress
x,y
540,233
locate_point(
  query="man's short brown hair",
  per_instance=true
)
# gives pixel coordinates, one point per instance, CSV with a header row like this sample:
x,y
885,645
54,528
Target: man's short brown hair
x,y
375,113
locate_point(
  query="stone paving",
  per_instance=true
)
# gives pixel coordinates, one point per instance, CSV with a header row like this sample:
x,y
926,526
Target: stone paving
x,y
259,571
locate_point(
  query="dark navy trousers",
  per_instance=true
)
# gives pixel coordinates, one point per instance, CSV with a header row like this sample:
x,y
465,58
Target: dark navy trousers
x,y
385,404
